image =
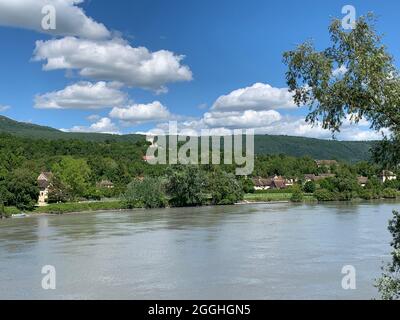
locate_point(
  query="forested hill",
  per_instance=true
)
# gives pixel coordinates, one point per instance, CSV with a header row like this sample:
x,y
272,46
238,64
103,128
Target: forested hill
x,y
28,130
351,151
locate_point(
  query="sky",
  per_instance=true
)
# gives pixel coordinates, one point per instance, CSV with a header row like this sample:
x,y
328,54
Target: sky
x,y
131,66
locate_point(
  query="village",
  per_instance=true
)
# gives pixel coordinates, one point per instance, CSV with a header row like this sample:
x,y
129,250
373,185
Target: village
x,y
260,183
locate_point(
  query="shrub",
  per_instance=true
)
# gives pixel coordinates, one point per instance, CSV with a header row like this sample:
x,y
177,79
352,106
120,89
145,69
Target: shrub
x,y
369,194
389,193
224,188
309,187
324,195
248,186
147,193
186,185
297,196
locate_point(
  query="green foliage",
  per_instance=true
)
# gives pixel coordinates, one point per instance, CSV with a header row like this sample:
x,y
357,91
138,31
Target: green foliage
x,y
369,194
147,193
389,284
324,195
60,208
224,188
73,174
309,187
58,192
22,190
186,185
367,90
248,185
297,195
389,193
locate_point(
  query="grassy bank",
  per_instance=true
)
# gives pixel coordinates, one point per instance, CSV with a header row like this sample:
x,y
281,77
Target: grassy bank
x,y
273,196
59,208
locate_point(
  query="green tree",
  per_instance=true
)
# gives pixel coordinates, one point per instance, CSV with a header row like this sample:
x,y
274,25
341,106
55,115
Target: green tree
x,y
186,185
73,174
225,188
147,193
324,195
368,87
248,185
58,192
309,187
23,189
297,195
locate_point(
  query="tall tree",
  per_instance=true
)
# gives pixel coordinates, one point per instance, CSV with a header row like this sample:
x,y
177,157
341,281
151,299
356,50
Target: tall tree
x,y
73,174
186,185
355,78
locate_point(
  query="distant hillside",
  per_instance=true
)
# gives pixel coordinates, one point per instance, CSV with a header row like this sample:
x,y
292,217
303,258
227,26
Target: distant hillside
x,y
351,151
23,129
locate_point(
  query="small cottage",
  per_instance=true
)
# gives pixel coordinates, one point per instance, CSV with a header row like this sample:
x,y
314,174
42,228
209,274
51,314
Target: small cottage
x,y
387,175
43,181
362,181
106,184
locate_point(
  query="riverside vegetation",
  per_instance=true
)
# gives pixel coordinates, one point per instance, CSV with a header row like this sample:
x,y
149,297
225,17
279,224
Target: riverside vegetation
x,y
78,166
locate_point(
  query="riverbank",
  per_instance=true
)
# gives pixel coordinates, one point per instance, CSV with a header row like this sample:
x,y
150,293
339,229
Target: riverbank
x,y
274,197
79,207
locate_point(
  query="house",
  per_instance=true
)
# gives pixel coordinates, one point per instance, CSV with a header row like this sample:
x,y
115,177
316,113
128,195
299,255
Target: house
x,y
326,163
276,182
362,181
262,183
387,175
44,184
106,184
316,178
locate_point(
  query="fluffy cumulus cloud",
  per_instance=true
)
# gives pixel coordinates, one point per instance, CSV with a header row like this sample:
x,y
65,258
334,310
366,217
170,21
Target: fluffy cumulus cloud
x,y
113,60
235,119
82,95
103,125
139,113
259,96
71,20
268,122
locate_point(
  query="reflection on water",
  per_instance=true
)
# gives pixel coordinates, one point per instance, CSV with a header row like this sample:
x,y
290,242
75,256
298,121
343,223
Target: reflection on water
x,y
262,251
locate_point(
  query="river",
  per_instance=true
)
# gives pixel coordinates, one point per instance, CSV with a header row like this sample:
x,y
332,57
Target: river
x,y
257,251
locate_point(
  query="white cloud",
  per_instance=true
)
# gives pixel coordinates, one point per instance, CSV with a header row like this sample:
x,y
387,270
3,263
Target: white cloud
x,y
4,108
235,119
139,113
82,95
71,20
113,60
271,123
259,96
93,117
339,72
104,125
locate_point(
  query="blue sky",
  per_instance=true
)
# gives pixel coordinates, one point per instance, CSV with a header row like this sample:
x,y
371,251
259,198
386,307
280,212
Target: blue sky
x,y
196,62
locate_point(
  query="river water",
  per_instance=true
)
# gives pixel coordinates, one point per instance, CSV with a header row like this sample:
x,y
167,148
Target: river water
x,y
258,251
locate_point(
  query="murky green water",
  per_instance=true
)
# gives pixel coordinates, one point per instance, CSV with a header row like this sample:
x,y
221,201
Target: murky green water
x,y
265,251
